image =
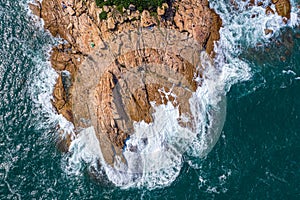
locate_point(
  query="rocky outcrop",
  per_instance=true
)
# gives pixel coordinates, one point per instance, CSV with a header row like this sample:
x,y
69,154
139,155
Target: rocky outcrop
x,y
93,93
283,8
162,10
199,20
123,80
124,90
147,20
79,24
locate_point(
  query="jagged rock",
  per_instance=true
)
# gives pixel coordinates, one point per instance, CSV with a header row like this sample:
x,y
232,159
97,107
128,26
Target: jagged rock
x,y
162,10
59,93
201,22
79,5
179,22
274,1
260,3
101,44
35,8
106,8
283,8
70,11
70,26
115,92
118,17
268,31
165,6
146,19
111,24
85,28
134,15
131,7
60,59
269,10
66,111
94,97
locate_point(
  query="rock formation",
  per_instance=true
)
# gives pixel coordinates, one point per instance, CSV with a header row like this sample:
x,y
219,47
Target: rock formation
x,y
137,67
79,24
107,90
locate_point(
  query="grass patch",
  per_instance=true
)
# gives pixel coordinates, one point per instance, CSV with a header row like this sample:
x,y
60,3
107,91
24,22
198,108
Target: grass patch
x,y
103,15
141,5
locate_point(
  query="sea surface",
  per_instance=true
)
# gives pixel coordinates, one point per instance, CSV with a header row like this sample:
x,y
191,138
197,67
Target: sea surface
x,y
256,157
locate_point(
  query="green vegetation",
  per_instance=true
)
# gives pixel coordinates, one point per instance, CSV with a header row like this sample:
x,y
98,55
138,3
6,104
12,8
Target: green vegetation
x,y
103,15
141,5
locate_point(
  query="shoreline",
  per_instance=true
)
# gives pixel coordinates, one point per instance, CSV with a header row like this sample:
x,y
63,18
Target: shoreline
x,y
79,24
68,57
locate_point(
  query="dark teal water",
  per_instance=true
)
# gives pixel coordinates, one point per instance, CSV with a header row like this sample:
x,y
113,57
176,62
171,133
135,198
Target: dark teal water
x,y
257,156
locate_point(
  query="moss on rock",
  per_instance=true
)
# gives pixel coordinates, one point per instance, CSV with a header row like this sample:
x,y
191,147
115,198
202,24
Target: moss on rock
x,y
103,15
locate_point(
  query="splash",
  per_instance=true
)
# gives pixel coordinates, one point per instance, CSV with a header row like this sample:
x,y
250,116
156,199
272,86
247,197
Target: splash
x,y
240,31
153,155
45,76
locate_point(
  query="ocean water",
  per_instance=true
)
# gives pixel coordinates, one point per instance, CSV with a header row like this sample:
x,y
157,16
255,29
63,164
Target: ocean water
x,y
256,157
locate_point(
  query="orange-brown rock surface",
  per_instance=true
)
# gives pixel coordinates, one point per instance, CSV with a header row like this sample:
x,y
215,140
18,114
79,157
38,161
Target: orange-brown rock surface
x,y
123,80
98,67
283,8
199,20
133,96
79,24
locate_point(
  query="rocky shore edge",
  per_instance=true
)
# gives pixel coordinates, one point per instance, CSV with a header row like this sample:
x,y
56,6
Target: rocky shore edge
x,y
79,23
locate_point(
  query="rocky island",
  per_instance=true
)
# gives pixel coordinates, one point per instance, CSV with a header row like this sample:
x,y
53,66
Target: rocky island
x,y
120,58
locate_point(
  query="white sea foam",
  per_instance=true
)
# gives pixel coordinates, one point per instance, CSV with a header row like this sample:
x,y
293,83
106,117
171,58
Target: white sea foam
x,y
45,78
239,32
154,151
85,149
42,88
289,72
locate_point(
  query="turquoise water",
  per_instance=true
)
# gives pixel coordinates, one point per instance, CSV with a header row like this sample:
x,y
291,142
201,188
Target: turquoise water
x,y
256,157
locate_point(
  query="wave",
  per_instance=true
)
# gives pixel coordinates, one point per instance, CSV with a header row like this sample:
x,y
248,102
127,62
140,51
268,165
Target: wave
x,y
240,32
45,79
